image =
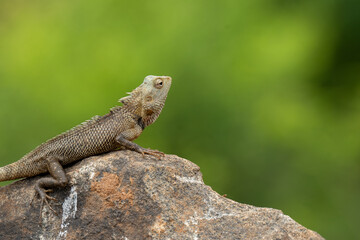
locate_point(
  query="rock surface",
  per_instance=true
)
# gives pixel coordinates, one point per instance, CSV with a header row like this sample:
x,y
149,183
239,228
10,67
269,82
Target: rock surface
x,y
121,195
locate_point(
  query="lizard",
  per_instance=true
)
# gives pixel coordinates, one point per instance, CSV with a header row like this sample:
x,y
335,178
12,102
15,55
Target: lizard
x,y
98,135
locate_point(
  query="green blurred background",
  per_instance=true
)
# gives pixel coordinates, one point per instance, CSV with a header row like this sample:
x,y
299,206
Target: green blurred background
x,y
265,95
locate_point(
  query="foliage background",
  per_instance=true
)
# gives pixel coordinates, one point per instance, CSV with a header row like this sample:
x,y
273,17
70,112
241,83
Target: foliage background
x,y
265,96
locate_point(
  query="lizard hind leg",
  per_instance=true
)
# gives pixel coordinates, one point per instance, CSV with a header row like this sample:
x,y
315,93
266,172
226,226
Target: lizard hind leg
x,y
58,179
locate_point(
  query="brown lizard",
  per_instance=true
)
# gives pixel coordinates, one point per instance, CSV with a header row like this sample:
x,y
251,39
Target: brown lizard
x,y
98,135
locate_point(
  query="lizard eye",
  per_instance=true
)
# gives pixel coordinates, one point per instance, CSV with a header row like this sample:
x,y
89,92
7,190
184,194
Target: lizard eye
x,y
159,83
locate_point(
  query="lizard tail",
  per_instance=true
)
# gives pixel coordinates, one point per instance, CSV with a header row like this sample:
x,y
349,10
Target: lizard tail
x,y
17,170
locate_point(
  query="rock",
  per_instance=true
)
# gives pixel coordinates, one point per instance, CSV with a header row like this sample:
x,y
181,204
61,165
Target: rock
x,y
121,195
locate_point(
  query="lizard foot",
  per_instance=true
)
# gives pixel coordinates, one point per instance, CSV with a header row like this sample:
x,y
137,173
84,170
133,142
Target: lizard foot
x,y
44,198
154,153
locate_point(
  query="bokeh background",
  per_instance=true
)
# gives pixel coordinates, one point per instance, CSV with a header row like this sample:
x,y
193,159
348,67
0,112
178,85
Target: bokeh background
x,y
265,95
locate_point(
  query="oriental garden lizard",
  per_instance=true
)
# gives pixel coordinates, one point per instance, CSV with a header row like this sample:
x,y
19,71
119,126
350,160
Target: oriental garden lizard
x,y
98,135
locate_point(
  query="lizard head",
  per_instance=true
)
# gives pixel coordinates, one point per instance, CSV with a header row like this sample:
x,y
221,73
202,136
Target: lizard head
x,y
148,99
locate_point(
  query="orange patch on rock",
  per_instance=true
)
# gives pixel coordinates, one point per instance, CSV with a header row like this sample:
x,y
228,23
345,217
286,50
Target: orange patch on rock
x,y
110,191
107,185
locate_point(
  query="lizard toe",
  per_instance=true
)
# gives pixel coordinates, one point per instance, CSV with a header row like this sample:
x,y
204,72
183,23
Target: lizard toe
x,y
154,153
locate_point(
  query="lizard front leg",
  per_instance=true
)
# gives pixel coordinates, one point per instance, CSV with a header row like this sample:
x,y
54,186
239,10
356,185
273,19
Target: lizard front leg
x,y
58,179
133,133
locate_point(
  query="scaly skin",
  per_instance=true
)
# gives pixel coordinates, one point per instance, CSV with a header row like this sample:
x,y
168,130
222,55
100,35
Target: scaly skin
x,y
99,135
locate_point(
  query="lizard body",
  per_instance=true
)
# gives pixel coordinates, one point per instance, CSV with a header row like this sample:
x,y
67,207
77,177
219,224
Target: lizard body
x,y
98,135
